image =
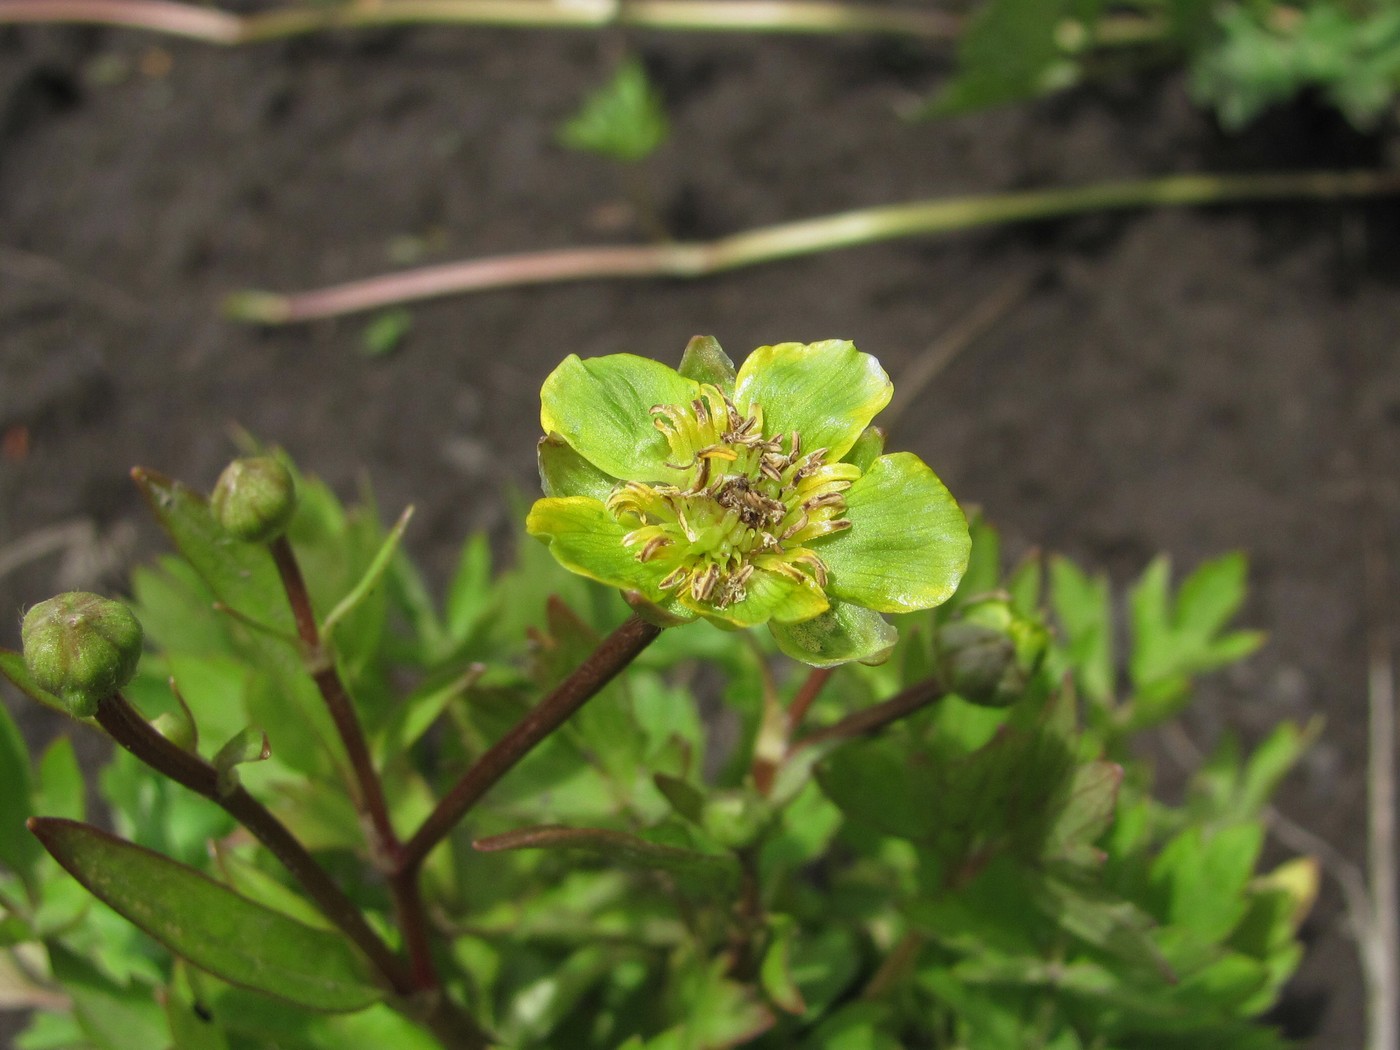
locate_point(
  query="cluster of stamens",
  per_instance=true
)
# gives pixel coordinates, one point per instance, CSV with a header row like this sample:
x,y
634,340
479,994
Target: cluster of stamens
x,y
743,502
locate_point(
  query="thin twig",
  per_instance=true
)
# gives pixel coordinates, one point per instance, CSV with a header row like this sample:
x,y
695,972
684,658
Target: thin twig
x,y
611,656
213,26
29,266
321,665
965,331
873,719
793,239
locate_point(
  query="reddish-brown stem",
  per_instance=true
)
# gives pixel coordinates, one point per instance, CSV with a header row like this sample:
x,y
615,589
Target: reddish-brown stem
x,y
403,883
321,665
613,654
126,726
876,717
807,694
769,755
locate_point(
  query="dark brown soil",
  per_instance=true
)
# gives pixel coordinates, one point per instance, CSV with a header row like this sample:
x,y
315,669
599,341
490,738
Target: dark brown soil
x,y
1189,381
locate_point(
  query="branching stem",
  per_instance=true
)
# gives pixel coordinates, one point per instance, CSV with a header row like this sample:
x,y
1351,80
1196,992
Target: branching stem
x,y
613,654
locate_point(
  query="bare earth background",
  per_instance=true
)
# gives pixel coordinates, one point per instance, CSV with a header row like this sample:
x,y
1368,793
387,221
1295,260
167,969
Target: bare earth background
x,y
1192,382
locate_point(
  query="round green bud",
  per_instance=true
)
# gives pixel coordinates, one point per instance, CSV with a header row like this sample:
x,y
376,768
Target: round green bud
x,y
991,653
255,498
81,647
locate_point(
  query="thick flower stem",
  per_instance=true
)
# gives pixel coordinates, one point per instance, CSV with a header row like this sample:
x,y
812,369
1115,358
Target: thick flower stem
x,y
792,239
613,654
126,726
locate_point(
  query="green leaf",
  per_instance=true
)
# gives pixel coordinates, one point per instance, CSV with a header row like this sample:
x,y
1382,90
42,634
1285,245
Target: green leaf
x,y
1176,639
191,1025
586,539
1083,606
417,712
624,120
1013,50
258,885
843,633
17,849
775,971
602,407
469,593
718,873
1109,923
241,575
12,667
370,579
48,1031
1087,812
385,331
1271,761
827,392
983,563
908,542
878,784
61,792
267,1023
857,1026
209,924
112,1016
719,1013
1200,878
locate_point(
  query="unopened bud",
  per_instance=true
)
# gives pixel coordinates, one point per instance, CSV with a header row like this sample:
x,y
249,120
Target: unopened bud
x,y
255,498
989,655
82,648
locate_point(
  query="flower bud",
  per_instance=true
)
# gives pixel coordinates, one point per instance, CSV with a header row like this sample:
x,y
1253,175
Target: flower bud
x,y
989,655
255,499
81,647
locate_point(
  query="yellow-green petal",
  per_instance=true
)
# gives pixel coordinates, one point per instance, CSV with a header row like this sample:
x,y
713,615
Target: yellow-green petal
x,y
602,407
843,633
771,596
564,472
828,392
586,539
908,543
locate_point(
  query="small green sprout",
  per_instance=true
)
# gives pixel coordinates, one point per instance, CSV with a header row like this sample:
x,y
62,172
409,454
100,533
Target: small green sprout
x,y
625,120
752,498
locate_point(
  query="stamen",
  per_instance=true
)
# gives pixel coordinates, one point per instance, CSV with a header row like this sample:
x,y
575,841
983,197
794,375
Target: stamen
x,y
704,583
676,576
748,501
652,546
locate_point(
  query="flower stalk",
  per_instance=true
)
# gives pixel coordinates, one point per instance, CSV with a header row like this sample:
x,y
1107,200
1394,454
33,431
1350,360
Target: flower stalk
x,y
223,28
126,726
795,239
612,655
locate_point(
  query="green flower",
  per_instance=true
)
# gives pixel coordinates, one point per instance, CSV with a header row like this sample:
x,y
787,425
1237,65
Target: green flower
x,y
754,498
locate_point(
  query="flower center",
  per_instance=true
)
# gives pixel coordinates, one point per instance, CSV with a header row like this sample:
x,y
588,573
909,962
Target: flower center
x,y
746,502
